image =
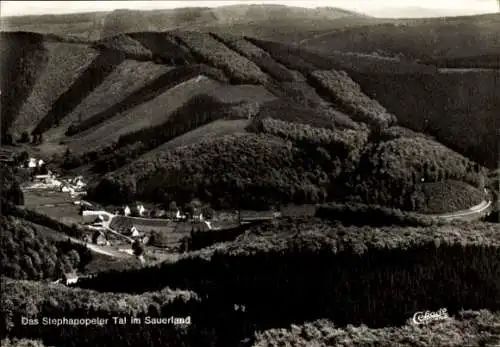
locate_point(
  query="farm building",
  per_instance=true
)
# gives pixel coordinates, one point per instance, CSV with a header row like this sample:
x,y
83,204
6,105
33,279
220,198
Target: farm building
x,y
126,211
141,211
90,216
134,232
70,278
32,163
201,226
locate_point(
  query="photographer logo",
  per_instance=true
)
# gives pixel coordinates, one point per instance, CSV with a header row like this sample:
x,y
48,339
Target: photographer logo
x,y
427,316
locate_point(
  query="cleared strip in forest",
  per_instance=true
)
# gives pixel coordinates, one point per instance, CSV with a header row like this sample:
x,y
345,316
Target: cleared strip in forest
x,y
93,76
146,115
148,92
127,78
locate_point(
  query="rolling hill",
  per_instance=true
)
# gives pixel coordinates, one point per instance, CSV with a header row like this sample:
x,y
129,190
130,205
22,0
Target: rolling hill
x,y
448,37
142,95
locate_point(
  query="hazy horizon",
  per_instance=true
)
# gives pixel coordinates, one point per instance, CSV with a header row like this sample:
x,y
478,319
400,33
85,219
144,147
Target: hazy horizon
x,y
375,8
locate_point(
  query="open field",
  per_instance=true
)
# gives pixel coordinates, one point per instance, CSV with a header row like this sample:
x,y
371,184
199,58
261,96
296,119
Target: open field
x,y
418,38
40,197
67,214
211,130
145,115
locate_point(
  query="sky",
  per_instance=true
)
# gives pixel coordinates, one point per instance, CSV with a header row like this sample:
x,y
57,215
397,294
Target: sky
x,y
376,8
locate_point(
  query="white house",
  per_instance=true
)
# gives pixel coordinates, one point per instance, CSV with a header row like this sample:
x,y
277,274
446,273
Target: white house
x,y
40,163
65,189
198,217
126,211
142,211
32,163
89,216
134,232
70,278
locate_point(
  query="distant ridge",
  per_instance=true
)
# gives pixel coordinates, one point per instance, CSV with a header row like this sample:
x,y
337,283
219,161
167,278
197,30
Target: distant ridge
x,y
266,21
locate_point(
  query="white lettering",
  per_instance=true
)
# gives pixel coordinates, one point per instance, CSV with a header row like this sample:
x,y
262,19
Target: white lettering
x,y
427,316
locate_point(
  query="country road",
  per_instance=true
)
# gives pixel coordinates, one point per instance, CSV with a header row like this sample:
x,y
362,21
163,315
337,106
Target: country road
x,y
470,214
100,249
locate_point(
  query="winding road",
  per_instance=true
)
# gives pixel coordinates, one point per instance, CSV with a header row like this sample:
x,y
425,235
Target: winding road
x,y
473,213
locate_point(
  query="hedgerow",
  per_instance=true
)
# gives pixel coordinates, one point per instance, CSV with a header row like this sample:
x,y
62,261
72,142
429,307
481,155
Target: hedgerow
x,y
238,68
347,93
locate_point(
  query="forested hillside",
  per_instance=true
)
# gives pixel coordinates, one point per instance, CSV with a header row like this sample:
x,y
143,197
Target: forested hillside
x,y
390,171
326,130
28,253
388,262
23,59
418,38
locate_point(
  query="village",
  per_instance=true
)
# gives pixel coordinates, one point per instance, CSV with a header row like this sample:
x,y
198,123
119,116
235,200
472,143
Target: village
x,y
138,230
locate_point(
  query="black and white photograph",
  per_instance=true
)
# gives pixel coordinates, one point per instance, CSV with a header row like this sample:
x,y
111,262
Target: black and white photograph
x,y
250,173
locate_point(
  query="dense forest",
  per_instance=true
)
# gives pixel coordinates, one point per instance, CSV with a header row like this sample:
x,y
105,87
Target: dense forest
x,y
389,171
10,185
394,264
367,268
290,162
250,171
348,95
29,254
23,57
468,328
35,300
